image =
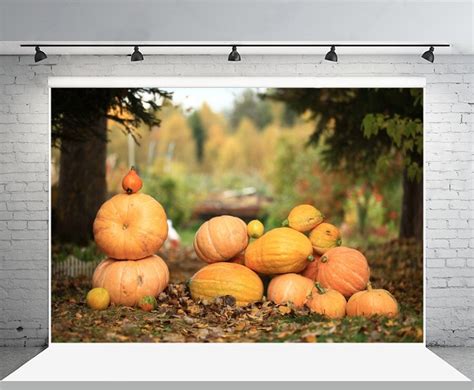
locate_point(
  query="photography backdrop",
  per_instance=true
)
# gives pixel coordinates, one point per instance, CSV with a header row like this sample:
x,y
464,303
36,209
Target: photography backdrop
x,y
448,129
216,138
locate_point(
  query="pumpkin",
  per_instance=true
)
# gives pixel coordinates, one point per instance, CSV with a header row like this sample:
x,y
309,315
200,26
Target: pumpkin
x,y
373,301
343,269
131,182
279,251
98,298
147,303
311,270
129,281
304,218
330,303
130,227
325,236
255,228
223,278
288,288
220,239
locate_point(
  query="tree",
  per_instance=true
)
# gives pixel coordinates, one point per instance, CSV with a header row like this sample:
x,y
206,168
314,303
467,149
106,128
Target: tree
x,y
250,105
79,128
175,141
199,134
364,130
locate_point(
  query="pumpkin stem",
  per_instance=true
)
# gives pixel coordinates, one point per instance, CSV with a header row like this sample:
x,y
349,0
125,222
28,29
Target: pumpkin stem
x,y
339,242
321,289
285,222
369,286
310,258
132,168
323,259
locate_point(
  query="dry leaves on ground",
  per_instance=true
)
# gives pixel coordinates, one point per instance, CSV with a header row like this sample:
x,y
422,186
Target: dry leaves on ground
x,y
395,266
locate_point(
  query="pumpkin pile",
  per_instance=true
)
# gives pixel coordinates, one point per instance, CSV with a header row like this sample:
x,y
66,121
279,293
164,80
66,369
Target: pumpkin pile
x,y
305,259
130,228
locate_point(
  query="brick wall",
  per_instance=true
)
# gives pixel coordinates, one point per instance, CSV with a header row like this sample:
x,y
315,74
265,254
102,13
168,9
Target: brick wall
x,y
24,178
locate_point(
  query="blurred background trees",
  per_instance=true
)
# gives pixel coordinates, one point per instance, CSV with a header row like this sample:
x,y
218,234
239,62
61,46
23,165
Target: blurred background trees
x,y
354,153
367,132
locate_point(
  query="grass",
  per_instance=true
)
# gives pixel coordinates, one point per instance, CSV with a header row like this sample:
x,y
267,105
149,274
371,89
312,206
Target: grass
x,y
187,236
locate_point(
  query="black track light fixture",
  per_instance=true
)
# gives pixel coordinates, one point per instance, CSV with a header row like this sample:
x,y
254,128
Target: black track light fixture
x,y
39,55
331,55
136,55
429,54
234,54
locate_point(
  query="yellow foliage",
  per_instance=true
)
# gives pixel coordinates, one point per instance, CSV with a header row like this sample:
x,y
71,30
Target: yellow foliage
x,y
215,140
174,140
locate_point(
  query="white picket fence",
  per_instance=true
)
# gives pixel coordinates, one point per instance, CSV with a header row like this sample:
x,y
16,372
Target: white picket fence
x,y
73,267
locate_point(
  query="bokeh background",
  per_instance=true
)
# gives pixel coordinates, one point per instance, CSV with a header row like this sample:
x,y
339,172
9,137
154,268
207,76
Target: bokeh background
x,y
356,154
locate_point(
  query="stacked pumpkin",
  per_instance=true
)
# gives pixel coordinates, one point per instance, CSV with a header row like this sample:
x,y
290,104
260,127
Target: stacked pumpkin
x,y
130,228
220,242
305,258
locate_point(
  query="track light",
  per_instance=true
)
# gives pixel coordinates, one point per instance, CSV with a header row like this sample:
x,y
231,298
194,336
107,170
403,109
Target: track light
x,y
234,54
428,55
136,55
331,55
39,55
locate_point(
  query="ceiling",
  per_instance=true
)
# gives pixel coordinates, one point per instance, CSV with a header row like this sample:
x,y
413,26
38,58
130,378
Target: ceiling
x,y
139,21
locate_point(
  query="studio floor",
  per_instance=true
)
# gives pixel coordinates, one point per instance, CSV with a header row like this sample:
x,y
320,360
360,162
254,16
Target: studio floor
x,y
460,358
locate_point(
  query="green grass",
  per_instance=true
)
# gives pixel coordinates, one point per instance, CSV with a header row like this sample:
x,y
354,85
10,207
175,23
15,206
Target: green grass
x,y
187,236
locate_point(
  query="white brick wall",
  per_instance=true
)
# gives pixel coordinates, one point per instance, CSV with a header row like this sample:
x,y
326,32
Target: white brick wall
x,y
24,190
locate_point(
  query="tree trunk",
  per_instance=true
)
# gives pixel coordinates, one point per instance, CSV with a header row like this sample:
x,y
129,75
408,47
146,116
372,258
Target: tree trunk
x,y
82,186
411,223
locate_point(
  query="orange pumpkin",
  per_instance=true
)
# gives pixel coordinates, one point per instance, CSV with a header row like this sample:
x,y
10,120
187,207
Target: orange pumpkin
x,y
220,239
325,236
327,302
132,183
129,281
223,278
279,251
343,269
288,288
373,301
304,218
311,270
130,227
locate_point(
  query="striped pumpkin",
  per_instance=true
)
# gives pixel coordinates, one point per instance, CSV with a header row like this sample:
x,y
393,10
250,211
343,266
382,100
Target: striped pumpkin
x,y
282,250
343,269
224,278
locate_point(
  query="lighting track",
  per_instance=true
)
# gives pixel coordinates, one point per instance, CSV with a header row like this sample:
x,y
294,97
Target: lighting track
x,y
239,45
234,54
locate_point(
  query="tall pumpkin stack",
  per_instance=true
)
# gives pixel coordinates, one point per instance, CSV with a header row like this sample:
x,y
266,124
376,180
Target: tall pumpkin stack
x,y
130,228
305,258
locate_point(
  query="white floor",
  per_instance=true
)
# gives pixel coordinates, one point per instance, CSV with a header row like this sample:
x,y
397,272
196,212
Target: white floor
x,y
408,363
